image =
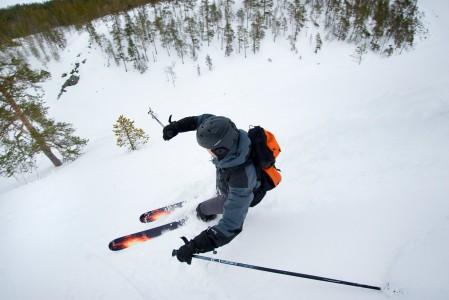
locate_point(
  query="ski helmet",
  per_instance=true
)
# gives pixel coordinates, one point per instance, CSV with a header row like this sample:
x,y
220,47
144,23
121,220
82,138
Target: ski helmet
x,y
218,134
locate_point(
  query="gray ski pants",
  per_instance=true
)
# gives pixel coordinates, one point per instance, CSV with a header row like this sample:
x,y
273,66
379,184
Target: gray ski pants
x,y
212,206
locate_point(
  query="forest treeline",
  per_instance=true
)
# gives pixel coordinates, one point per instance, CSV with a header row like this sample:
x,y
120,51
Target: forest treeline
x,y
27,19
134,33
138,28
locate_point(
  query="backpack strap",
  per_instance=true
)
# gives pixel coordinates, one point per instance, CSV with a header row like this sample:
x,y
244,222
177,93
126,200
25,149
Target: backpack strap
x,y
231,170
260,191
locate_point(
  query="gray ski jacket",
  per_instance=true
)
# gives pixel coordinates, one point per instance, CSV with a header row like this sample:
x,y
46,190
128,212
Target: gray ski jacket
x,y
236,180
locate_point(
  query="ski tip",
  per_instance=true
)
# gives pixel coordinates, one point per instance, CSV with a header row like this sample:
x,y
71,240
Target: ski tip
x,y
153,216
159,213
112,246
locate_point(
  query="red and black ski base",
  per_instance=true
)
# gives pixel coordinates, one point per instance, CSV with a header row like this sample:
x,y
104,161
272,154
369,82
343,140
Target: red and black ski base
x,y
143,236
156,214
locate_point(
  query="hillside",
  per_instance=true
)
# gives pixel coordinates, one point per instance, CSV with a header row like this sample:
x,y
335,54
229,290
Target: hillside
x,y
364,163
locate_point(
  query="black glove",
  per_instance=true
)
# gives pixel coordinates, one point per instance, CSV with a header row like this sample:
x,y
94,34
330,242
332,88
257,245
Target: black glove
x,y
185,253
200,244
170,131
183,125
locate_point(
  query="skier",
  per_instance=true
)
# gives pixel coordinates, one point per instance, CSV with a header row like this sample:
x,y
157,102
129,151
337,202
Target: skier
x,y
236,179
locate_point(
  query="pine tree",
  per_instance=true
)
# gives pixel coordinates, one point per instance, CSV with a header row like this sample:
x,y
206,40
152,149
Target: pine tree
x,y
164,33
240,16
40,42
297,13
141,29
133,52
360,14
118,36
211,16
128,135
242,38
93,34
177,39
229,38
405,22
257,33
360,51
276,26
109,50
315,14
171,74
319,42
209,62
191,29
338,16
25,130
152,34
380,19
30,42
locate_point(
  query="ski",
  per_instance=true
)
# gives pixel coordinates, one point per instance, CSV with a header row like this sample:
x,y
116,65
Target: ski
x,y
143,236
156,214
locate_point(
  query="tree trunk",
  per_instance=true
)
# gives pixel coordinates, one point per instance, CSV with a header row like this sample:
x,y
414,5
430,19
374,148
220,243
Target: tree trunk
x,y
33,131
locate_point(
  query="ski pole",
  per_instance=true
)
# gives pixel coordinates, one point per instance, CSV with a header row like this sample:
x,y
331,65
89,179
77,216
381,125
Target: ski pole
x,y
237,264
150,112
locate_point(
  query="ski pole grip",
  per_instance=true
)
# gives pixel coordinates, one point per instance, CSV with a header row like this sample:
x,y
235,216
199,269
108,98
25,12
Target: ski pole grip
x,y
174,252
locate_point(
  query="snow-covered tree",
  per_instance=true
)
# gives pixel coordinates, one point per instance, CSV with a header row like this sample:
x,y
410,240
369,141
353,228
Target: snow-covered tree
x,y
138,61
191,30
171,74
359,52
257,32
318,42
118,37
242,38
229,38
209,62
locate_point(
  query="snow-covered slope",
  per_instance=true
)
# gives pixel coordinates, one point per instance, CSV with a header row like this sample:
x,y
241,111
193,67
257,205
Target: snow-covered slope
x,y
364,196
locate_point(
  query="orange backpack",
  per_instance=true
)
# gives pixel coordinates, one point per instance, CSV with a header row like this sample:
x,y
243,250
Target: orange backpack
x,y
264,151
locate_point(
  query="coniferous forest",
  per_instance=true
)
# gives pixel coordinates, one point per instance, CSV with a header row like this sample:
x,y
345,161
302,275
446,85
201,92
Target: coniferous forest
x,y
133,33
138,29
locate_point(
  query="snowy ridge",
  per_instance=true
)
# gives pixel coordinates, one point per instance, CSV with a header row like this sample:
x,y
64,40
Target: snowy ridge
x,y
363,197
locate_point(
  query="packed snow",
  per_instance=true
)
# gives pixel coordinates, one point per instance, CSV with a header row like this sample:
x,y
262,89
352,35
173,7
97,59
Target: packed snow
x,y
365,166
